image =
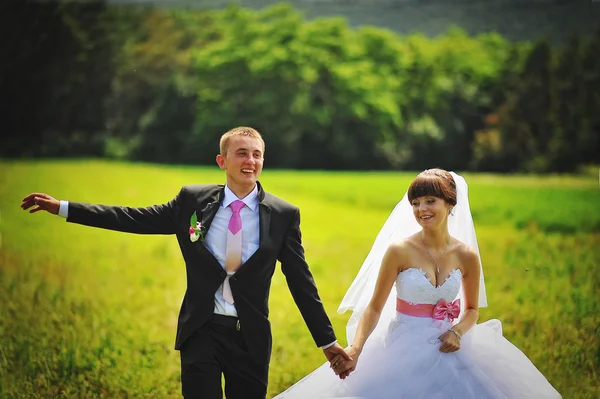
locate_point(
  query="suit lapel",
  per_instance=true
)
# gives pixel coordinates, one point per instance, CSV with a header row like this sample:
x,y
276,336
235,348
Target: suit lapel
x,y
206,215
265,222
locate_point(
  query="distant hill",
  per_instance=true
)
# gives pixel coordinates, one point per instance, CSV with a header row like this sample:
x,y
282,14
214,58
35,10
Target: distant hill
x,y
514,19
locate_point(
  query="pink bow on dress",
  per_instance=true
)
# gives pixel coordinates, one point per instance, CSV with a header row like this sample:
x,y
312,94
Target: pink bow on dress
x,y
444,309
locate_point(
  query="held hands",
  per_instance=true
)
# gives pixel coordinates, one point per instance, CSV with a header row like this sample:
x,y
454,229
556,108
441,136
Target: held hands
x,y
40,202
343,366
450,341
335,354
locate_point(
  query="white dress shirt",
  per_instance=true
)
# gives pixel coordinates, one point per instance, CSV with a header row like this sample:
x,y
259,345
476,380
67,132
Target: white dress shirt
x,y
216,238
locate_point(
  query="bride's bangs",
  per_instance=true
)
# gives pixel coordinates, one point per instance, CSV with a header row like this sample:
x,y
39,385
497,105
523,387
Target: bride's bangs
x,y
435,183
424,186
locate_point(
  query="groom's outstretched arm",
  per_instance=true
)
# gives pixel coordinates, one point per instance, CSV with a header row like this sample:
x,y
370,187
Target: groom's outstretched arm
x,y
156,219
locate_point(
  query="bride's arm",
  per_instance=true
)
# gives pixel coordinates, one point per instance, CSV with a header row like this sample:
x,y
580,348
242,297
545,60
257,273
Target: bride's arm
x,y
451,338
390,267
470,260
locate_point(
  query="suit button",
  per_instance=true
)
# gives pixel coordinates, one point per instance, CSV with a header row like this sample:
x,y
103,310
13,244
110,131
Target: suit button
x,y
223,273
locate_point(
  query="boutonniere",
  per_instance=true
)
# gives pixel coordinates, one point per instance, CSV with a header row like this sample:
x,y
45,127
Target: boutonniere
x,y
196,229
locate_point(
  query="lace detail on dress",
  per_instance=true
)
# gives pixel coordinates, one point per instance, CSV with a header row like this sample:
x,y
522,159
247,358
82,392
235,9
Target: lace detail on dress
x,y
412,285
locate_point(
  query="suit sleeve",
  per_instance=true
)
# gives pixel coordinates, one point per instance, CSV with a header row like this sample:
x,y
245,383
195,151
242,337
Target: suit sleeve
x,y
302,285
156,219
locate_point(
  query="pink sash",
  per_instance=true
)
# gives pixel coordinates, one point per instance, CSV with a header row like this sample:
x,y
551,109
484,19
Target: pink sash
x,y
439,311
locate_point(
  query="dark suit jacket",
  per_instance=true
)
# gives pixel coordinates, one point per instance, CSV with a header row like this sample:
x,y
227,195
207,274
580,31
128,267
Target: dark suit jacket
x,y
280,239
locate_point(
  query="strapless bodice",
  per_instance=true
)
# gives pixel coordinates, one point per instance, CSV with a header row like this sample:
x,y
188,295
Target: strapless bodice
x,y
413,285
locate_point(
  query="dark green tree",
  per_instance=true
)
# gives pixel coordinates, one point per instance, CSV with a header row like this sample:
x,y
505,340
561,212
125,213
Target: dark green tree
x,y
529,118
566,149
589,137
55,77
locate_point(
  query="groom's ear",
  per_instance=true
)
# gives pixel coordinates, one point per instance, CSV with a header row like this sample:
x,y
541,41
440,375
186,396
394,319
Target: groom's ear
x,y
221,161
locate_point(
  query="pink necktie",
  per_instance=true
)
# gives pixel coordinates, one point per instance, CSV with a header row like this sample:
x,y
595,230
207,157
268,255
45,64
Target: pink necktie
x,y
233,250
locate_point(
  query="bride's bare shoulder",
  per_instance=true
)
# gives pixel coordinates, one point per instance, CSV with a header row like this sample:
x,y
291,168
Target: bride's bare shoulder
x,y
402,248
468,257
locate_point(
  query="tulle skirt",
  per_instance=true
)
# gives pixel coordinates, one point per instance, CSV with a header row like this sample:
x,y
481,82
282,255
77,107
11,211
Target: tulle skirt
x,y
405,362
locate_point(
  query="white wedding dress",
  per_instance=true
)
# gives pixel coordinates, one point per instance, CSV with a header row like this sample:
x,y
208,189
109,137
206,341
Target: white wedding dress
x,y
404,361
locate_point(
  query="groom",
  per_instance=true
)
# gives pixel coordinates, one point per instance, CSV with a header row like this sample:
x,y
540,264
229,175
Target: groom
x,y
230,237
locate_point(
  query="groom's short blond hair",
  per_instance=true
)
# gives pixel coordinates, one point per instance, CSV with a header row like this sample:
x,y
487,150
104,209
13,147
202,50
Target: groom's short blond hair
x,y
236,132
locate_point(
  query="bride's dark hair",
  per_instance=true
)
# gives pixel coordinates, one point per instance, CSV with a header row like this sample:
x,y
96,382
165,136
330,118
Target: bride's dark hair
x,y
433,182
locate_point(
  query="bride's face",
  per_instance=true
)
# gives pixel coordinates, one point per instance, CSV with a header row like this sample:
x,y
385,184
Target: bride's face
x,y
430,211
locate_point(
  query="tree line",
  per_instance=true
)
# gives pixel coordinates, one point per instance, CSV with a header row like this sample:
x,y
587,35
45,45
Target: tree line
x,y
161,85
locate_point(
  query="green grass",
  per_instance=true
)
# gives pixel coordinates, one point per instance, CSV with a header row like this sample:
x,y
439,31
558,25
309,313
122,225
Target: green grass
x,y
87,313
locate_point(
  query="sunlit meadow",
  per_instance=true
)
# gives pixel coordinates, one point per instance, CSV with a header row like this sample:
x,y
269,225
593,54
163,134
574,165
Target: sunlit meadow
x,y
87,313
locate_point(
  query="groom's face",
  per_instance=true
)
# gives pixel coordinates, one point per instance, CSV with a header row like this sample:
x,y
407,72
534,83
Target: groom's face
x,y
243,161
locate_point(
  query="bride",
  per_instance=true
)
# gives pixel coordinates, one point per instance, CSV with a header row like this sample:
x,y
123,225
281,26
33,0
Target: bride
x,y
423,341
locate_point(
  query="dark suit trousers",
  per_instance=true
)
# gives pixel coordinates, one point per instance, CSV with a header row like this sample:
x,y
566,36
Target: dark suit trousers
x,y
215,350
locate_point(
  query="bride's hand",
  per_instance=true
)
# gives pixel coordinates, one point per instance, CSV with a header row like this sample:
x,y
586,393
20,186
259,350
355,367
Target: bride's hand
x,y
450,342
343,367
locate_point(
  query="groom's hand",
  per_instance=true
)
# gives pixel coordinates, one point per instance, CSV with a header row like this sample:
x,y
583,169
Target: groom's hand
x,y
40,202
335,353
342,366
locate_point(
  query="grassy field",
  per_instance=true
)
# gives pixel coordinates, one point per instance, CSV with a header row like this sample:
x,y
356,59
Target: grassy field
x,y
87,313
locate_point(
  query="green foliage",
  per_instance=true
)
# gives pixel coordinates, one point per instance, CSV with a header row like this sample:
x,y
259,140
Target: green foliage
x,y
92,313
162,85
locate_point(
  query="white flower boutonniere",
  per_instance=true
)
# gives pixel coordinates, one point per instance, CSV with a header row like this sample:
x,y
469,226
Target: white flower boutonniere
x,y
196,229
